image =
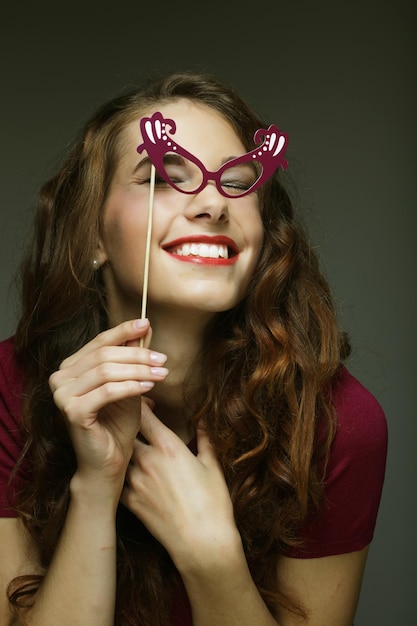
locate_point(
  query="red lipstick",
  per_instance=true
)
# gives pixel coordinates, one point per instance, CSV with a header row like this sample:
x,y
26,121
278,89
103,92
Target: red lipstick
x,y
172,247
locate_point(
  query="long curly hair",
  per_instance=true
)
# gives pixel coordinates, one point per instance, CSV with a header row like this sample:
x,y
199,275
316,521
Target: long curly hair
x,y
269,363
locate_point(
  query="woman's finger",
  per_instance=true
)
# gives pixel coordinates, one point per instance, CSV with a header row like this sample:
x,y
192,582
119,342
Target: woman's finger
x,y
86,407
151,428
124,364
104,384
138,342
116,336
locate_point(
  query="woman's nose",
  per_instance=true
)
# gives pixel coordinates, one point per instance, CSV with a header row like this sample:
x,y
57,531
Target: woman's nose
x,y
209,204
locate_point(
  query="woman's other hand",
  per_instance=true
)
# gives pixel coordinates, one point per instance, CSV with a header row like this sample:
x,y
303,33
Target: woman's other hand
x,y
182,499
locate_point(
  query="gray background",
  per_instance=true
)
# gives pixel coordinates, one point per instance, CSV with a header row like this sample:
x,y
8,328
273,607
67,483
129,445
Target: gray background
x,y
339,77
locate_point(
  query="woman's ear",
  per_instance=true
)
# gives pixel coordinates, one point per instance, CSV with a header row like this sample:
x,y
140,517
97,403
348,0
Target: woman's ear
x,y
100,256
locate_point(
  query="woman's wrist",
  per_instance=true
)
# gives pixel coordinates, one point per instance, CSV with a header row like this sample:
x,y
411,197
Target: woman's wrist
x,y
220,554
95,493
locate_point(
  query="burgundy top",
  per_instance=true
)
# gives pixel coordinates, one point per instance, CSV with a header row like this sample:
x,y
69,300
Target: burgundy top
x,y
353,483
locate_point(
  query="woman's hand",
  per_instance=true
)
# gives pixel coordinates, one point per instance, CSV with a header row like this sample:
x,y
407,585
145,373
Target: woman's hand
x,y
98,390
182,499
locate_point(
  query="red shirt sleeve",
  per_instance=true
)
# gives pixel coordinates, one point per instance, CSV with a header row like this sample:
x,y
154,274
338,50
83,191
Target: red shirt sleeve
x,y
11,440
354,476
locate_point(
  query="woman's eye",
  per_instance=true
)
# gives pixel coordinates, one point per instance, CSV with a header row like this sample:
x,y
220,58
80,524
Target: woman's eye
x,y
239,178
236,184
177,175
147,179
159,180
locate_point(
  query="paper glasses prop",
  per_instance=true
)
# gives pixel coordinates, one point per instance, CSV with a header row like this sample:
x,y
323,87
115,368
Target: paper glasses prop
x,y
186,173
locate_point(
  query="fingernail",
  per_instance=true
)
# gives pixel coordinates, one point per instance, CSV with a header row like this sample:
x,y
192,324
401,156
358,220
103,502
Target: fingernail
x,y
157,357
139,324
159,371
147,384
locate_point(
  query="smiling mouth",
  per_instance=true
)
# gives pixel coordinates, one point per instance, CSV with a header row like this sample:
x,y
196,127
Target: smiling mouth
x,y
204,251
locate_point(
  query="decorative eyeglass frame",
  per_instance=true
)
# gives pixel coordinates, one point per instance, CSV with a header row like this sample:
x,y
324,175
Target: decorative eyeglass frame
x,y
269,154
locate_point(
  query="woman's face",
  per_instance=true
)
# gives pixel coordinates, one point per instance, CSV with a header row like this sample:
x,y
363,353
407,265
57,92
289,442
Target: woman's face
x,y
204,246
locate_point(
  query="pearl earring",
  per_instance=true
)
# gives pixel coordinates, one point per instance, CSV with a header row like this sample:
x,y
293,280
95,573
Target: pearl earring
x,y
96,264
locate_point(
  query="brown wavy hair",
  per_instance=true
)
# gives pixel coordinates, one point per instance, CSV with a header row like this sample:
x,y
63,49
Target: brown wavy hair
x,y
269,362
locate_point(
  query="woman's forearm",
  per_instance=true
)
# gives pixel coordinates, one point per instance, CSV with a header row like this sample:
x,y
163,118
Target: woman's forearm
x,y
80,585
222,592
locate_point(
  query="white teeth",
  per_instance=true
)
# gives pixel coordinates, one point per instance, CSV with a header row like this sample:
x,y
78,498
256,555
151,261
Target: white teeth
x,y
204,250
222,251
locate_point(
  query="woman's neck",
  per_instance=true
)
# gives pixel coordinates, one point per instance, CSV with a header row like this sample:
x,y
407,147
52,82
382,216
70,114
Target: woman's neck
x,y
180,337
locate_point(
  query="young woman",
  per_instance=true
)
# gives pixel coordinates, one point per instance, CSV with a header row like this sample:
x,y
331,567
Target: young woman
x,y
214,463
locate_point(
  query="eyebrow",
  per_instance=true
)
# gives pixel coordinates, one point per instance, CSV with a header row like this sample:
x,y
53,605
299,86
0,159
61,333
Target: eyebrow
x,y
172,158
250,162
142,162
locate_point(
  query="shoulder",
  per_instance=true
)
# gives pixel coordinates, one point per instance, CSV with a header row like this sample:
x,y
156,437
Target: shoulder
x,y
10,381
11,440
362,435
6,352
354,474
355,404
7,357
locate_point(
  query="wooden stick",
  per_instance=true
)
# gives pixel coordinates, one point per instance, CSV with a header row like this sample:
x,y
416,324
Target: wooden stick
x,y
147,249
